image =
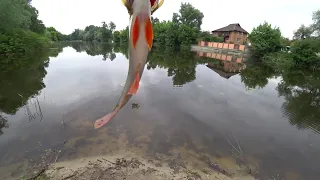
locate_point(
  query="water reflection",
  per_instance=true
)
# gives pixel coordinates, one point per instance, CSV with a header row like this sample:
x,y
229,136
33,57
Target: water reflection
x,y
302,103
225,65
21,78
256,76
180,66
209,120
3,123
226,69
94,49
301,90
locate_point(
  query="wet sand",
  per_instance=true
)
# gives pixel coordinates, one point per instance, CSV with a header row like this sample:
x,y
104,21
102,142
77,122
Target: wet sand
x,y
130,166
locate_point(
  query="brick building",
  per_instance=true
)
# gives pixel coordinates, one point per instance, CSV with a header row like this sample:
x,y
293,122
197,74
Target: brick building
x,y
233,33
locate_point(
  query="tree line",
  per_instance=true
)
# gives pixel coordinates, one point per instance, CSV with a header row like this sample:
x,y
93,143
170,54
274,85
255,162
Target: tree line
x,y
21,31
268,45
103,33
180,32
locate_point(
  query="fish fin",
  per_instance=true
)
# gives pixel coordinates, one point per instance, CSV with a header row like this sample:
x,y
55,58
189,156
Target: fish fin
x,y
135,31
128,6
156,6
149,33
135,85
102,121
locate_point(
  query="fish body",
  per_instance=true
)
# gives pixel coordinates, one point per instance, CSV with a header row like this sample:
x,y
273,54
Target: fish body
x,y
140,43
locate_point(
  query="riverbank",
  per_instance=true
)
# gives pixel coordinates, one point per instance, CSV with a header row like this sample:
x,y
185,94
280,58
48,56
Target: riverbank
x,y
131,166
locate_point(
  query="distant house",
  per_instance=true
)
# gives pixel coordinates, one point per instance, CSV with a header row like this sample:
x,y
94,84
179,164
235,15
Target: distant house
x,y
233,33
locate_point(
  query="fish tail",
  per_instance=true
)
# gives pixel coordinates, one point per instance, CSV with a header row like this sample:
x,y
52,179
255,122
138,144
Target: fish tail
x,y
102,121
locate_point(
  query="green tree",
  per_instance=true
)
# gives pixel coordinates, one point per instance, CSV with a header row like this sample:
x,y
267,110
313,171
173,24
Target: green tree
x,y
303,32
124,35
94,33
190,16
179,33
14,14
285,41
304,53
75,35
116,37
20,31
316,22
112,26
53,34
187,36
160,32
265,39
19,41
172,38
206,36
36,25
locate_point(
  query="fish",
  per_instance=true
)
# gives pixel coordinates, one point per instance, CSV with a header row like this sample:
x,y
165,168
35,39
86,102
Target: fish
x,y
140,44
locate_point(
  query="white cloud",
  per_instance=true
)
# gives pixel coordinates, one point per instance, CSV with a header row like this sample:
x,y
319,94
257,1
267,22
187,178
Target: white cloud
x,y
66,15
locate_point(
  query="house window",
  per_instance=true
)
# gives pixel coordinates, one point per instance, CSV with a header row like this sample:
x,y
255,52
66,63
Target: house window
x,y
238,39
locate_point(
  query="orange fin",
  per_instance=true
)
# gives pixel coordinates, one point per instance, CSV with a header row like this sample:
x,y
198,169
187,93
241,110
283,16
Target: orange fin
x,y
102,121
149,33
135,31
135,85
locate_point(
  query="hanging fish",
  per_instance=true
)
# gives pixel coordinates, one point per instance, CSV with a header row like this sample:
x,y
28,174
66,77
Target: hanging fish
x,y
140,43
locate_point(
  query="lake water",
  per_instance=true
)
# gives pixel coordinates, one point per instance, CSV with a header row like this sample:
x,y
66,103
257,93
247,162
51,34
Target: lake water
x,y
185,103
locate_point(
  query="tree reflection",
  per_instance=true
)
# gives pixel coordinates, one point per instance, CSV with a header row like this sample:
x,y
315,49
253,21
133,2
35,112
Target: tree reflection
x,y
95,49
3,123
21,78
301,90
299,87
121,48
180,65
256,76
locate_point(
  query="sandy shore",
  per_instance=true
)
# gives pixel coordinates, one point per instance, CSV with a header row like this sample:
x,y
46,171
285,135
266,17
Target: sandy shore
x,y
132,167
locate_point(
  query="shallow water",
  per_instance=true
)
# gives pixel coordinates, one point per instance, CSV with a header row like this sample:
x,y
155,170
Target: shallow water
x,y
186,103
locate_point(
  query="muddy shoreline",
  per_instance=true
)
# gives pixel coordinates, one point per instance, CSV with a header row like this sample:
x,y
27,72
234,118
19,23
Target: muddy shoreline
x,y
133,167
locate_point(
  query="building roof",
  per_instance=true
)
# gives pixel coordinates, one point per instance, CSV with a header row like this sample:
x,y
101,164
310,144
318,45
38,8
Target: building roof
x,y
231,27
226,75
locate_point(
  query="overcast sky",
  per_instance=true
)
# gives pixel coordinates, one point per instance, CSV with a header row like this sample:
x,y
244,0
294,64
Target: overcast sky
x,y
67,15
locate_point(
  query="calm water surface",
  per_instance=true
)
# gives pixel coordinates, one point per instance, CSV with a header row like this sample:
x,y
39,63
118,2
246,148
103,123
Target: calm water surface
x,y
184,101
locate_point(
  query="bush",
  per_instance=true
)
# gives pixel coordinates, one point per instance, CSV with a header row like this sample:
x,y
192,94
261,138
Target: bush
x,y
206,36
304,52
21,41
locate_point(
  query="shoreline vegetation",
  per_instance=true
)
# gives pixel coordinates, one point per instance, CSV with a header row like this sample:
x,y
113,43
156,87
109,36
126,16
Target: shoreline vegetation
x,y
22,33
